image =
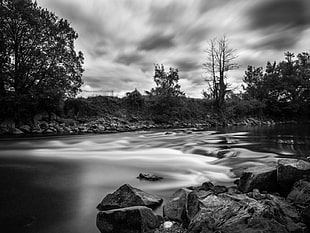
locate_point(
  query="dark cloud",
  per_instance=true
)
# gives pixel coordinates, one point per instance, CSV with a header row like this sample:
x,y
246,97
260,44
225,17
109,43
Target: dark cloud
x,y
157,41
280,22
128,58
279,13
186,64
279,41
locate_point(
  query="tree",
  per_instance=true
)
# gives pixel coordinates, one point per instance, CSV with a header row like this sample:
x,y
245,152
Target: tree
x,y
220,60
166,82
283,87
134,100
38,62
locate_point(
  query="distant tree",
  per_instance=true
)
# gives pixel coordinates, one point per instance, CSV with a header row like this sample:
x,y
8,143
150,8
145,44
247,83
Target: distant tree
x,y
135,100
220,60
38,62
166,82
254,83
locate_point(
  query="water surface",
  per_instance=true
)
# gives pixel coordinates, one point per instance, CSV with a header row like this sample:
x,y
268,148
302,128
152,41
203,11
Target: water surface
x,y
53,184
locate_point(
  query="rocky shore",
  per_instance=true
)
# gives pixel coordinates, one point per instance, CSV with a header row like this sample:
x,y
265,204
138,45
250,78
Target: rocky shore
x,y
273,199
51,124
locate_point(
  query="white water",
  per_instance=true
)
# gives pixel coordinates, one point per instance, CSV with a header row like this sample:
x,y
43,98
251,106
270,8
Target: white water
x,y
59,180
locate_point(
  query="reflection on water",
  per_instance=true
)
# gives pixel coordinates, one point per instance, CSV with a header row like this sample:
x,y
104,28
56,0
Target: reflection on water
x,y
54,184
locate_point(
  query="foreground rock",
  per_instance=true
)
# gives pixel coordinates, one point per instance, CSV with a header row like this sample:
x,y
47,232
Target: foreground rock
x,y
127,196
300,194
240,213
291,170
261,177
182,207
137,219
232,211
279,178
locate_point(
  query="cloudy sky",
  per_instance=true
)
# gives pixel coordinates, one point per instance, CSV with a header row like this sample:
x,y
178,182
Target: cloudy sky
x,y
123,39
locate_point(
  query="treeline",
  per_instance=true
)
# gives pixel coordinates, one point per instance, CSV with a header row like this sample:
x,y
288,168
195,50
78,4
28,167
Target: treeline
x,y
165,103
280,92
283,89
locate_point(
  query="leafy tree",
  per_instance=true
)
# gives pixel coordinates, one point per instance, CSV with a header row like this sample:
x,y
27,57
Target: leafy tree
x,y
220,60
166,82
37,57
283,87
166,99
134,100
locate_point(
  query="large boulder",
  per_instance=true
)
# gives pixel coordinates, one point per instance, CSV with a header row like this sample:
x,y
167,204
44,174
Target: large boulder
x,y
300,194
25,128
7,126
127,196
260,177
240,213
291,170
182,206
137,219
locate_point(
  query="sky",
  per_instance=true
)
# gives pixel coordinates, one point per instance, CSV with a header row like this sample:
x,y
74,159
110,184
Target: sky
x,y
123,39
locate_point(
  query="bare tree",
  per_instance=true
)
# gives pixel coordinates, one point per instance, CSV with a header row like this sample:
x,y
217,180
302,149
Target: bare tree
x,y
220,60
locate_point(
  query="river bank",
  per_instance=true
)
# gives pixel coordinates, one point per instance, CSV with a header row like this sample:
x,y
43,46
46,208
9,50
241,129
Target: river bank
x,y
51,124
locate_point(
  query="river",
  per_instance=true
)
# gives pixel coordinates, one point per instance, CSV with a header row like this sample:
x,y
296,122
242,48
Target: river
x,y
53,184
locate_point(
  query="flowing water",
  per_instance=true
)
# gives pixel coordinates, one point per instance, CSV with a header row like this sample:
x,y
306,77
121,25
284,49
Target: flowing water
x,y
53,184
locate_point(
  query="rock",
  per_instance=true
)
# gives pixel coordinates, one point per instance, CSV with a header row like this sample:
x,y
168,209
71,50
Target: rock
x,y
25,128
182,206
291,170
127,196
305,214
150,177
137,219
240,213
44,125
260,177
16,131
300,194
49,131
7,126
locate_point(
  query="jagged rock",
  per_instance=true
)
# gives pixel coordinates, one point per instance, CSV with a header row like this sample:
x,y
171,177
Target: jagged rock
x,y
291,170
208,186
136,219
17,131
44,125
300,194
182,206
260,177
150,177
25,128
240,213
49,131
127,196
